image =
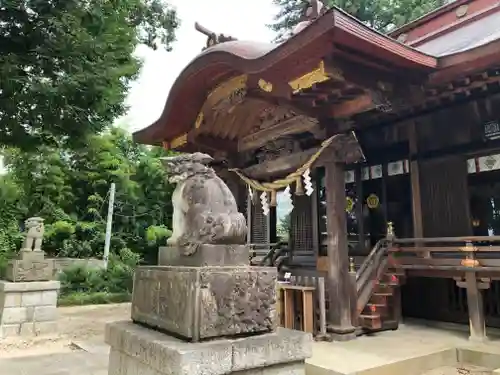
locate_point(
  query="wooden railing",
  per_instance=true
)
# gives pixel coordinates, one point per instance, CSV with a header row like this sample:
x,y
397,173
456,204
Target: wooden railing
x,y
448,253
472,261
370,271
270,254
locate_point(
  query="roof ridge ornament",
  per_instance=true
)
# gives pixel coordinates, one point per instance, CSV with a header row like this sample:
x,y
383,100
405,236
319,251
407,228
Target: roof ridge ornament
x,y
213,38
315,9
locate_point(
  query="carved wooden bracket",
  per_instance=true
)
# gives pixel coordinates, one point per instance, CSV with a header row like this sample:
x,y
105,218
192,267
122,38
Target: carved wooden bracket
x,y
345,149
291,125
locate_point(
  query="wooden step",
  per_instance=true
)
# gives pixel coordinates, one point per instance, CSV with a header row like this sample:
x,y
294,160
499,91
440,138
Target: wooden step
x,y
376,308
397,271
380,297
389,278
370,321
384,288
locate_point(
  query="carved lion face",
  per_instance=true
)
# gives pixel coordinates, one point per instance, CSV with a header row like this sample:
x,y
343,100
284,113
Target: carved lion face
x,y
33,222
180,167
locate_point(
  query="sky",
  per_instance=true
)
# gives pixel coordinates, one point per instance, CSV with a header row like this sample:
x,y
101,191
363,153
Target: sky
x,y
242,19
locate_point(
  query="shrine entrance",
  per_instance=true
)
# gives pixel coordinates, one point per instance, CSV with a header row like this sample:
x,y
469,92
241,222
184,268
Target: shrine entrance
x,y
376,195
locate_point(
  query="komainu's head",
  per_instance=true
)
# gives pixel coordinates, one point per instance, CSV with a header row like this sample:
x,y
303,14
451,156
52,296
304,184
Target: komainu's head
x,y
179,168
33,222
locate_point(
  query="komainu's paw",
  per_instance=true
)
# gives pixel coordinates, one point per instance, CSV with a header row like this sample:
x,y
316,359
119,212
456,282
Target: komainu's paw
x,y
190,248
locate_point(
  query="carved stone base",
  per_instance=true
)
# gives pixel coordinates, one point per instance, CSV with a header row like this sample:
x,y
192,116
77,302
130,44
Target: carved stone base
x,y
198,303
341,333
139,350
207,255
28,308
30,266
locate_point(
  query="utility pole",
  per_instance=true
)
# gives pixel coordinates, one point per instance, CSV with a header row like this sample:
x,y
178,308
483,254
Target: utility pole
x,y
109,222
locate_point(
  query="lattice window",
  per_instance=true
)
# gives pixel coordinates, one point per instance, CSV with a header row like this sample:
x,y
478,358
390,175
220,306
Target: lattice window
x,y
301,236
259,225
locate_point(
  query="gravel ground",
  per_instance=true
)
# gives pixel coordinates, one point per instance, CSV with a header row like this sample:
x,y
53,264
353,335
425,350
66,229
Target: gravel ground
x,y
75,324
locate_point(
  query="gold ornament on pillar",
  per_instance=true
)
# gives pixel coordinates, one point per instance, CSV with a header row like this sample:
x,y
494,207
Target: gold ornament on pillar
x,y
390,230
352,266
470,255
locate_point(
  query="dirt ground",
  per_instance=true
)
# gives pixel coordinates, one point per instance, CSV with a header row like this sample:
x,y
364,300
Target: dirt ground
x,y
75,324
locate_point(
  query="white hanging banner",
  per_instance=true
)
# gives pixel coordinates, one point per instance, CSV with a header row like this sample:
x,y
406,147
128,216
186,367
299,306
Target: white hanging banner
x,y
250,192
287,198
265,203
308,186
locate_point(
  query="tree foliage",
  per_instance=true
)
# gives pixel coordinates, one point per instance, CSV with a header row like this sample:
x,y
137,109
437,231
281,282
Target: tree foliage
x,y
65,65
69,189
382,15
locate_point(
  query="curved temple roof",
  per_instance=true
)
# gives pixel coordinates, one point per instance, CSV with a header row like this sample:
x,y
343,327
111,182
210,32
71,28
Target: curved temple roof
x,y
268,73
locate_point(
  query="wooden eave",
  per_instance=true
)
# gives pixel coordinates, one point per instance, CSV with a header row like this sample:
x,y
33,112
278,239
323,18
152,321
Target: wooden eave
x,y
276,64
439,19
456,24
440,92
463,64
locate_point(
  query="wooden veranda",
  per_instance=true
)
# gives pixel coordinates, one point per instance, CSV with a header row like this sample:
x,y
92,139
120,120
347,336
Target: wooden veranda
x,y
473,263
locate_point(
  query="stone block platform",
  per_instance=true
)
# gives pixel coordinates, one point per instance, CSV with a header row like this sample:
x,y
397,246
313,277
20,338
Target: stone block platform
x,y
28,308
139,350
198,303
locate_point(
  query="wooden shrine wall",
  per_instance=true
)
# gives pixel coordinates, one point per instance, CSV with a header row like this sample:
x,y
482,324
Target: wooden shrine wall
x,y
445,198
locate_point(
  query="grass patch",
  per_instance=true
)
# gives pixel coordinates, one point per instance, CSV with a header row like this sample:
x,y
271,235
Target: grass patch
x,y
95,298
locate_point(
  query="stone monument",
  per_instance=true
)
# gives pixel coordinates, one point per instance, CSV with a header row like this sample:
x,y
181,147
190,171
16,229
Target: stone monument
x,y
203,309
28,296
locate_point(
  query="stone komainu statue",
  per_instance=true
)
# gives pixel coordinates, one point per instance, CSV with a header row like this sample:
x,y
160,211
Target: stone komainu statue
x,y
34,234
205,211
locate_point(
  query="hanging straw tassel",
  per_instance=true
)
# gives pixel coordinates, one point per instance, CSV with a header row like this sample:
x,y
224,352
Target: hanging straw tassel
x,y
299,189
273,198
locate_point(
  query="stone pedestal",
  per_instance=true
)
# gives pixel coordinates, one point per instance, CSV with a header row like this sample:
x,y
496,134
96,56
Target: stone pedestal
x,y
30,266
198,303
208,314
139,350
28,308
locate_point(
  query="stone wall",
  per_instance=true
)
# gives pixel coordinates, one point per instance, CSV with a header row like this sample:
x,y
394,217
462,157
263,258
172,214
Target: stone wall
x,y
62,263
28,308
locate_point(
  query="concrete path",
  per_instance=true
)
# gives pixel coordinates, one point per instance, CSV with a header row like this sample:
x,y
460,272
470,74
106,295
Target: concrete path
x,y
75,363
77,348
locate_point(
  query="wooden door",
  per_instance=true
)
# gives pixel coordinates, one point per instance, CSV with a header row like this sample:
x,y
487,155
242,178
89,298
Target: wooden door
x,y
445,197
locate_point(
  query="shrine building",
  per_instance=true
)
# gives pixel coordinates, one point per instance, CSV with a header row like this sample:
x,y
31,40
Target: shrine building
x,y
385,149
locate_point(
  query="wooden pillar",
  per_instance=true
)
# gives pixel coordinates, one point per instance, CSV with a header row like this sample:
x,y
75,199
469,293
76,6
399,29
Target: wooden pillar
x,y
358,180
316,236
338,283
418,229
249,219
475,305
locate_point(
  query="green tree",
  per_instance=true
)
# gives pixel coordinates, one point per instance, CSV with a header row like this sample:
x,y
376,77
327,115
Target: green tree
x,y
284,227
69,189
10,209
382,15
65,65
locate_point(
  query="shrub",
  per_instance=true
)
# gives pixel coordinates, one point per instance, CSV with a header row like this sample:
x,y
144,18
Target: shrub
x,y
83,285
98,298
